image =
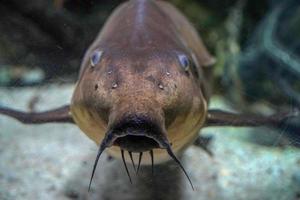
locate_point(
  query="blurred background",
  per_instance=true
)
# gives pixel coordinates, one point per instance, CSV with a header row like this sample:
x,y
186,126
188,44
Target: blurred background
x,y
256,44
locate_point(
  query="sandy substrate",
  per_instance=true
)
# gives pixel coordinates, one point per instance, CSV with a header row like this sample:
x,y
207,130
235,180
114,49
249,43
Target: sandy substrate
x,y
54,161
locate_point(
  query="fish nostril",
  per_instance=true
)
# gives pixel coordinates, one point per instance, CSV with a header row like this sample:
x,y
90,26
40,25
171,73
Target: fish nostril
x,y
114,86
160,86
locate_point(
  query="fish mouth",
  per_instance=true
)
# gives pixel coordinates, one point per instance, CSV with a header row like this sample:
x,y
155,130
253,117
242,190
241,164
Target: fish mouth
x,y
136,134
134,143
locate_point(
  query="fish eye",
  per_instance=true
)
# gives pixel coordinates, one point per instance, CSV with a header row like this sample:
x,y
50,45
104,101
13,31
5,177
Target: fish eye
x,y
184,62
95,58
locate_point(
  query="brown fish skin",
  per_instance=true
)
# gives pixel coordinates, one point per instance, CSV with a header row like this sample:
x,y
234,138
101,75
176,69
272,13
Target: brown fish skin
x,y
140,75
140,87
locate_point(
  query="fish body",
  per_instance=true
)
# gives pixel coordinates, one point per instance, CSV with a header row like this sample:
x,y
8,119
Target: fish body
x,y
152,69
144,86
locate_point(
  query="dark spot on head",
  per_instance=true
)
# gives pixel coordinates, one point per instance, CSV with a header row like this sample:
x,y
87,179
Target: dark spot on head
x,y
151,79
96,86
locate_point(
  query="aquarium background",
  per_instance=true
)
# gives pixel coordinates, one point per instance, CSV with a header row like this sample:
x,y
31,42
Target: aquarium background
x,y
257,48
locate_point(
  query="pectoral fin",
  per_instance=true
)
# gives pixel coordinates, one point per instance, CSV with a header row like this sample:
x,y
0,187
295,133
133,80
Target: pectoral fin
x,y
58,115
203,143
224,118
